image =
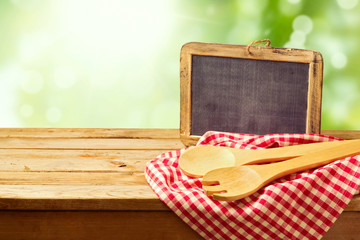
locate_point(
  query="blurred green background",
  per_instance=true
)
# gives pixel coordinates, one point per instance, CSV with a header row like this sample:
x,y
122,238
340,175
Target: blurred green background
x,y
115,63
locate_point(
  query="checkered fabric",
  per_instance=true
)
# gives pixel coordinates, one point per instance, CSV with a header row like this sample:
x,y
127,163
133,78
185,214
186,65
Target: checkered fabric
x,y
298,206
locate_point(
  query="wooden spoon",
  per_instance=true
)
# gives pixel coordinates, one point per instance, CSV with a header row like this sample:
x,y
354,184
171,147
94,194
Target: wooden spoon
x,y
197,161
235,183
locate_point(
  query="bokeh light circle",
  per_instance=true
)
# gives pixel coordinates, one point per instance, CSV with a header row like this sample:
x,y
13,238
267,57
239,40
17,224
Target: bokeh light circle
x,y
347,4
303,23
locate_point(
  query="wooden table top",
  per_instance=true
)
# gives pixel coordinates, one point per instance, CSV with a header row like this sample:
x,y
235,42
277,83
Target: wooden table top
x,y
87,169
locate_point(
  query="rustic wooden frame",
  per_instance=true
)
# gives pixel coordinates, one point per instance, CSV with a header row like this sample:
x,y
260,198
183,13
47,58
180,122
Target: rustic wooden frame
x,y
313,58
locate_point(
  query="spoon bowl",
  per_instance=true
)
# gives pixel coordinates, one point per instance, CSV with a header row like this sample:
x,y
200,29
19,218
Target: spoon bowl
x,y
196,161
237,182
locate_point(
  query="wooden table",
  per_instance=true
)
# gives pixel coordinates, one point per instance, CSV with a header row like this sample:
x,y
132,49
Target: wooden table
x,y
89,184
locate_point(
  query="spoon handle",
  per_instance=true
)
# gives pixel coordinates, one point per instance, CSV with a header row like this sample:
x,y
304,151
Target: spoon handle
x,y
280,153
316,159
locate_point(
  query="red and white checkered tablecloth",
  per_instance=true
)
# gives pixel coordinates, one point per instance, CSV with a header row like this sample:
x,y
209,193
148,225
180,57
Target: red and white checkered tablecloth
x,y
298,206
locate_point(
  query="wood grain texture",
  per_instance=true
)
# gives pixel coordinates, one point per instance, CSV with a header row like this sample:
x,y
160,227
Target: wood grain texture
x,y
126,197
313,120
89,133
90,197
257,52
80,170
89,143
75,160
346,227
39,225
124,225
354,205
119,203
72,178
79,155
185,93
188,140
354,134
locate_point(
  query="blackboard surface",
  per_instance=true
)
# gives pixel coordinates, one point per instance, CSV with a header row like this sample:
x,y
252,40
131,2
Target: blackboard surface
x,y
252,96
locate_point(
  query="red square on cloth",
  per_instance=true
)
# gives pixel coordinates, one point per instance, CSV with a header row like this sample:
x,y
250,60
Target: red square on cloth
x,y
299,206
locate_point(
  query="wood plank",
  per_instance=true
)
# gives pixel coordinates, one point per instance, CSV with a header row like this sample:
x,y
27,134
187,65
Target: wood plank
x,y
91,197
89,143
72,165
72,178
93,225
109,204
75,192
346,227
354,205
123,225
124,133
354,134
80,197
89,133
80,154
76,160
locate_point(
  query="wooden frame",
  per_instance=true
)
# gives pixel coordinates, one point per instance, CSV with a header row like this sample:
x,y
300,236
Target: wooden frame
x,y
313,58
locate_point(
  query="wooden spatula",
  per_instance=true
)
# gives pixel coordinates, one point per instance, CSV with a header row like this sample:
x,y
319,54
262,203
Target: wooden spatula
x,y
197,161
234,183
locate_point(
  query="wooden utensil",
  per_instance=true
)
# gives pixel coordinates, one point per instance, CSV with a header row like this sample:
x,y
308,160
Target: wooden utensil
x,y
197,161
234,183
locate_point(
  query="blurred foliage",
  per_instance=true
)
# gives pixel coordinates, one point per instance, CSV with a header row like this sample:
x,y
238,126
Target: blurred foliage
x,y
108,63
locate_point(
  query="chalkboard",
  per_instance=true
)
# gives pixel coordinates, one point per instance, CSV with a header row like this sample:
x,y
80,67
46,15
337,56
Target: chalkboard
x,y
266,90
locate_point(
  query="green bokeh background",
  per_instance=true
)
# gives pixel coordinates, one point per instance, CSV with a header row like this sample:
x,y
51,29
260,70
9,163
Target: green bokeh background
x,y
115,63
